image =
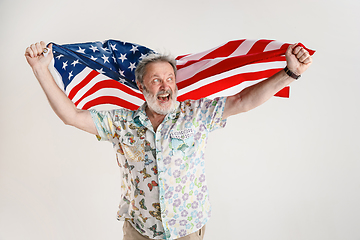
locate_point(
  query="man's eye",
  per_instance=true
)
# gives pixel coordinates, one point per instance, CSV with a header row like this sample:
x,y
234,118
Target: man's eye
x,y
170,79
156,80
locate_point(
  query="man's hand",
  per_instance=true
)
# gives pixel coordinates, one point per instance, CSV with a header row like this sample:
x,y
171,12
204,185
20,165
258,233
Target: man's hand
x,y
59,102
35,57
298,59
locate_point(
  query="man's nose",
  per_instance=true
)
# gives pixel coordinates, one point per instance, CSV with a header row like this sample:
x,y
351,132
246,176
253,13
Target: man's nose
x,y
164,85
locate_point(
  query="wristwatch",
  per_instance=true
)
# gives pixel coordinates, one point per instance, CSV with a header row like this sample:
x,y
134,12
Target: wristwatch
x,y
291,74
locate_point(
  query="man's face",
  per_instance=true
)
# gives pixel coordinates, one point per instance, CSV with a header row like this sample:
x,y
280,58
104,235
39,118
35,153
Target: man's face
x,y
160,90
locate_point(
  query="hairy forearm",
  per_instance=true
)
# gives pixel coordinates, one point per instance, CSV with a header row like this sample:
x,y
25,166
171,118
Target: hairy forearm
x,y
255,95
259,93
298,60
60,103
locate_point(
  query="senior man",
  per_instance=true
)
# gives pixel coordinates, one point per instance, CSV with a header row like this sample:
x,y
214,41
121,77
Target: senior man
x,y
160,147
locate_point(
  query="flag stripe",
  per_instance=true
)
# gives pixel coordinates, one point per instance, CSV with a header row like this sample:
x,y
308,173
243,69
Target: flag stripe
x,y
82,83
224,83
111,84
223,66
110,100
245,69
223,51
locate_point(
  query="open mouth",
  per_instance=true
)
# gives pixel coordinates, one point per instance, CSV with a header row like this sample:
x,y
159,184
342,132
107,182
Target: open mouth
x,y
164,97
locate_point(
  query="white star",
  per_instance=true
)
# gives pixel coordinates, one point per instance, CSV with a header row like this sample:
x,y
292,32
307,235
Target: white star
x,y
114,58
122,80
134,49
100,71
94,48
93,58
70,74
142,56
123,57
113,47
132,66
75,62
81,50
105,58
60,56
121,73
64,65
105,49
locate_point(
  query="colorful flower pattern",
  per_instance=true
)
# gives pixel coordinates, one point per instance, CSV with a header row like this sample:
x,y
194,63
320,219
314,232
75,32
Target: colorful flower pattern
x,y
164,191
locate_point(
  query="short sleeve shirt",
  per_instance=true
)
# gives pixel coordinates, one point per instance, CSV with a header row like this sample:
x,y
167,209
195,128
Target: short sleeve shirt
x,y
164,192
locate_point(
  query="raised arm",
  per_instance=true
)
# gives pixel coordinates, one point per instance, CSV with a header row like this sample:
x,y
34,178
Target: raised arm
x,y
60,103
298,60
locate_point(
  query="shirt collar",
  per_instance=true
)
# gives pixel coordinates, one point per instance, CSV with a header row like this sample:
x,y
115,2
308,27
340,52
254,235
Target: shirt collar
x,y
141,113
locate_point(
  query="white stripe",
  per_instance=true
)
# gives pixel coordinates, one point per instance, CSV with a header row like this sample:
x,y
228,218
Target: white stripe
x,y
191,70
87,87
56,75
77,79
105,107
235,89
95,80
244,48
111,92
274,45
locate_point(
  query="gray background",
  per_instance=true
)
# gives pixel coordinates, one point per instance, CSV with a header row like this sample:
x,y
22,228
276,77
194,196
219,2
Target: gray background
x,y
286,170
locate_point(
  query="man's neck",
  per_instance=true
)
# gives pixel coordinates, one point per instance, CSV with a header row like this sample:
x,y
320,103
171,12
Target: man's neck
x,y
155,118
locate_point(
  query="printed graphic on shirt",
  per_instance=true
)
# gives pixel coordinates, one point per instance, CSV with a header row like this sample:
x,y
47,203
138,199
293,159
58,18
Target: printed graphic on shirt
x,y
155,233
134,150
157,213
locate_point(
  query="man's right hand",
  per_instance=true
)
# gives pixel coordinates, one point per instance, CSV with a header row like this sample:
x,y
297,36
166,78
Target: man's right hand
x,y
60,103
35,57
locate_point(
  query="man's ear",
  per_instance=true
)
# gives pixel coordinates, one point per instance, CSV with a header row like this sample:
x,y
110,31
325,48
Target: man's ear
x,y
139,86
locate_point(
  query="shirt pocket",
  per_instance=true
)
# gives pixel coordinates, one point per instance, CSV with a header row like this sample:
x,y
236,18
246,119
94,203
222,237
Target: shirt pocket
x,y
133,148
182,142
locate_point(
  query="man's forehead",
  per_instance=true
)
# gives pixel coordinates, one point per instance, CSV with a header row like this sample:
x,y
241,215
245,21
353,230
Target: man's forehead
x,y
159,68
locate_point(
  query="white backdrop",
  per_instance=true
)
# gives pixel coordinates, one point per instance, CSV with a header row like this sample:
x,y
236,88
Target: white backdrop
x,y
286,170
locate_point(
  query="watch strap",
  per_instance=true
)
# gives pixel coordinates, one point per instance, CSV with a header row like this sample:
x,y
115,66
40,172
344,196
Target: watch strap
x,y
291,74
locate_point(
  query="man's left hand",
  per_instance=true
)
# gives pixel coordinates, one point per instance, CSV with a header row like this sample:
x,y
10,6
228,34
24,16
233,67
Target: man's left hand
x,y
298,59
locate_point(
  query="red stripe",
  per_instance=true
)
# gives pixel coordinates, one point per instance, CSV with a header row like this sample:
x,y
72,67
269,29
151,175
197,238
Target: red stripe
x,y
226,83
285,92
181,56
110,83
83,83
110,100
223,51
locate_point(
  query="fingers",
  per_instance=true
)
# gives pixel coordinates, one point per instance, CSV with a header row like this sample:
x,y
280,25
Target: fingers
x,y
301,54
35,49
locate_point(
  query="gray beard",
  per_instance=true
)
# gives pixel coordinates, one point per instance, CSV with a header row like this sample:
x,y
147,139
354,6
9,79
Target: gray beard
x,y
151,101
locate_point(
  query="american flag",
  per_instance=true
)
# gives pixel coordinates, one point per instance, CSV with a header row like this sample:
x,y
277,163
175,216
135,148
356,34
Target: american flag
x,y
101,74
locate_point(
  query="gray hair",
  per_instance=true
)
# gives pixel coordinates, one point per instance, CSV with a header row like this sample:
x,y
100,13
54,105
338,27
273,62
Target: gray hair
x,y
151,58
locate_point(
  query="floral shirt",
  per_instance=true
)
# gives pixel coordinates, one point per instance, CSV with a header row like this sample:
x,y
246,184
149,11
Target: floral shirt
x,y
164,192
